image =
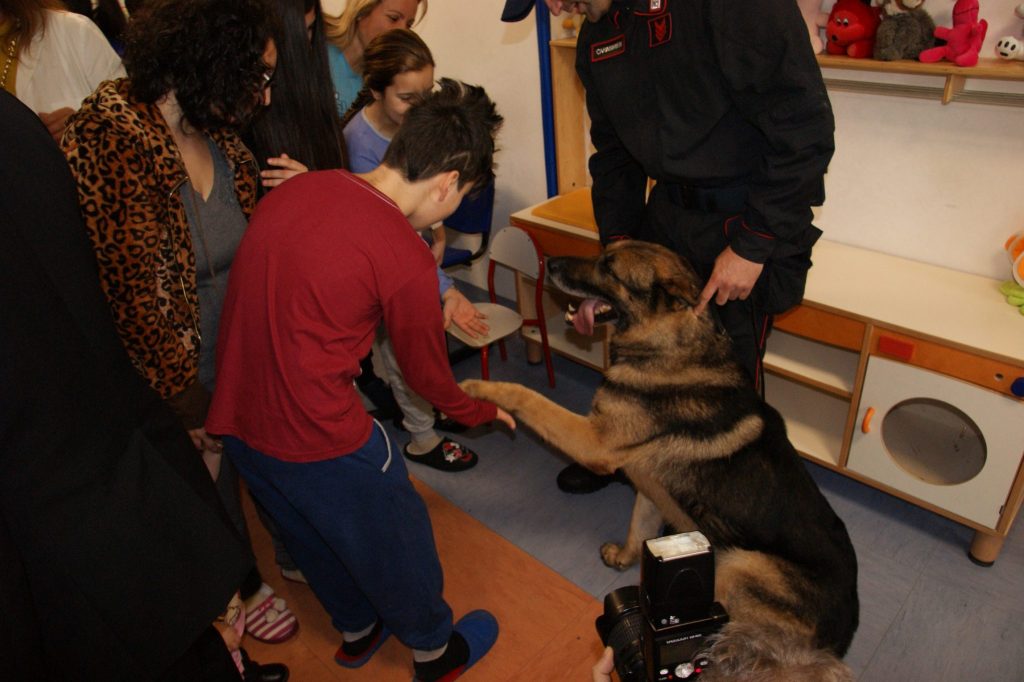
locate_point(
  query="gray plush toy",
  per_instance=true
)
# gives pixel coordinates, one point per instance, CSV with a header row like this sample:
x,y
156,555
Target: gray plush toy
x,y
905,31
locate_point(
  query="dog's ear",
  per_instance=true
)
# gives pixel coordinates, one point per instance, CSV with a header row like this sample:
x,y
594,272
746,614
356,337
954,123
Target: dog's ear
x,y
676,294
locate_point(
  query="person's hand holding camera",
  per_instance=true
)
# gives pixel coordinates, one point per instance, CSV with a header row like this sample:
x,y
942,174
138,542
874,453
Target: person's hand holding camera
x,y
602,671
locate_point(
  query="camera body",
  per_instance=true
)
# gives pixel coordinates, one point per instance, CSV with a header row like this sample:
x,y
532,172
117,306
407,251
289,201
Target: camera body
x,y
659,630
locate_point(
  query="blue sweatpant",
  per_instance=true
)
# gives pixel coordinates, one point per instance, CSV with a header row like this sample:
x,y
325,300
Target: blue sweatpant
x,y
360,534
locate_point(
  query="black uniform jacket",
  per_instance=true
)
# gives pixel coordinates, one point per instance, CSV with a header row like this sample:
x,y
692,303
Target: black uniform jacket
x,y
708,93
115,553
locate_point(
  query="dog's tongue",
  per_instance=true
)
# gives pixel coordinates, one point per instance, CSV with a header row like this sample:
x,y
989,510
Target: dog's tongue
x,y
583,320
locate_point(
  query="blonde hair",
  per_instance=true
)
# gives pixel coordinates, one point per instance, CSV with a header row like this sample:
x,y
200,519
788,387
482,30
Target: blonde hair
x,y
341,30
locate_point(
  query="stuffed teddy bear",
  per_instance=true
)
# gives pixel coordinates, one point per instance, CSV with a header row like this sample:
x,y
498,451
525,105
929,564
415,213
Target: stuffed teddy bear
x,y
815,20
906,30
851,28
963,40
1009,47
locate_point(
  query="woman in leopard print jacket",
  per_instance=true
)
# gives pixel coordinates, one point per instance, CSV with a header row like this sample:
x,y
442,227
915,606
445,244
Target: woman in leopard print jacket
x,y
142,153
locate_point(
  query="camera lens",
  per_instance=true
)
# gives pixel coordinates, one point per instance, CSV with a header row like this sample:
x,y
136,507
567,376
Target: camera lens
x,y
621,627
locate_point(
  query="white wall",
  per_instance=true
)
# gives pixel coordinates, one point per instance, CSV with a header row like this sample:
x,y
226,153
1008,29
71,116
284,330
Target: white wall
x,y
937,183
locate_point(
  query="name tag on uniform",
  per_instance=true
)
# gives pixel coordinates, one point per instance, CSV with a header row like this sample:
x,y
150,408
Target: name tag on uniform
x,y
607,49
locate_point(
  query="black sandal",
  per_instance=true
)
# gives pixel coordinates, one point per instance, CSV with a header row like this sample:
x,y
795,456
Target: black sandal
x,y
447,456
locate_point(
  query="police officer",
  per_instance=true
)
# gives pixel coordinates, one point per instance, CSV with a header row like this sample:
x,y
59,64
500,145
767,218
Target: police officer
x,y
721,102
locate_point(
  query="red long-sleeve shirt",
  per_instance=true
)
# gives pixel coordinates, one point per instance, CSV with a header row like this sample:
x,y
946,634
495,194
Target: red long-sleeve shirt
x,y
325,260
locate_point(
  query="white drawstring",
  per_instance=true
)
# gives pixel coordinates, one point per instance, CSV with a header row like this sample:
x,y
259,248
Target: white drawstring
x,y
387,441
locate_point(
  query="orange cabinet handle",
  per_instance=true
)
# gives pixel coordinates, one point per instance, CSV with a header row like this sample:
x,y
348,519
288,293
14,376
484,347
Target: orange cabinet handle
x,y
865,425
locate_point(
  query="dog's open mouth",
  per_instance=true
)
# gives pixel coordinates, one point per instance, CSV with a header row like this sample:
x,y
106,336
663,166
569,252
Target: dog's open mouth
x,y
591,311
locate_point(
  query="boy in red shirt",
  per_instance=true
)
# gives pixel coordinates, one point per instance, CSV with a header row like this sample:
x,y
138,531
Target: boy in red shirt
x,y
327,257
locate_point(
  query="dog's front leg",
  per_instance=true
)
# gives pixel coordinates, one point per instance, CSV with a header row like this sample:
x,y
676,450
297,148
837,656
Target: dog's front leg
x,y
571,433
644,524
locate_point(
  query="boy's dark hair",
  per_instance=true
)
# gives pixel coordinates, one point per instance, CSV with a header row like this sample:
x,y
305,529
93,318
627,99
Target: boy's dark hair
x,y
209,52
302,119
451,128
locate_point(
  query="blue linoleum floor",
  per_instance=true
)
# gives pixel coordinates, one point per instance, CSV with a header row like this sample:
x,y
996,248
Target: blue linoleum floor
x,y
927,612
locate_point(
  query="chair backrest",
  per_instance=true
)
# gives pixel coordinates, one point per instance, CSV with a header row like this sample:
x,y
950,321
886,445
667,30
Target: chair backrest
x,y
513,247
474,214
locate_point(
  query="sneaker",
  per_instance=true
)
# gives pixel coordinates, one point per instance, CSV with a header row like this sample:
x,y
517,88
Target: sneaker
x,y
446,456
356,654
478,631
268,618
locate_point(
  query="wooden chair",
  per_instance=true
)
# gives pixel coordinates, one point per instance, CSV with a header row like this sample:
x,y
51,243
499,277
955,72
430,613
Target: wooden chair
x,y
514,248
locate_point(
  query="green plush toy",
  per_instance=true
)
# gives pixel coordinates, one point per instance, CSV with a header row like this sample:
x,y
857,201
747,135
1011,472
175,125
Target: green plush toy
x,y
1014,294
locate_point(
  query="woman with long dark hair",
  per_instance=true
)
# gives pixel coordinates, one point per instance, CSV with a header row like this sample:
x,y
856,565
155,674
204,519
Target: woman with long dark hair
x,y
300,130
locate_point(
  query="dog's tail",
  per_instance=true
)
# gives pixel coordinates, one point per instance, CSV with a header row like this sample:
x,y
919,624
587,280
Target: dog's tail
x,y
757,652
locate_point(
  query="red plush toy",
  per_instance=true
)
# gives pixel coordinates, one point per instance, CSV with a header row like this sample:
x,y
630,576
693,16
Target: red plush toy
x,y
963,40
851,28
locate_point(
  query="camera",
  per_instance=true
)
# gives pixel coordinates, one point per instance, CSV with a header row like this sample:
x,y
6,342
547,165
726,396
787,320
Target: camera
x,y
659,629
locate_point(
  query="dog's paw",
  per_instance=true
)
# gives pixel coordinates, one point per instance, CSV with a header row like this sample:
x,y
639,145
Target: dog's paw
x,y
614,555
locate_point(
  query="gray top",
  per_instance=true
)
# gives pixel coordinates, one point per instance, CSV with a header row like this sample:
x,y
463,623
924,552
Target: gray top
x,y
217,225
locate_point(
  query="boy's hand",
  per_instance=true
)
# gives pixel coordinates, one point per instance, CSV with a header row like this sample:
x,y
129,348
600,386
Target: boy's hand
x,y
289,169
506,419
464,314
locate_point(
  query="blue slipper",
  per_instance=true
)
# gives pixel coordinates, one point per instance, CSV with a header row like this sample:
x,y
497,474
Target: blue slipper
x,y
380,634
479,629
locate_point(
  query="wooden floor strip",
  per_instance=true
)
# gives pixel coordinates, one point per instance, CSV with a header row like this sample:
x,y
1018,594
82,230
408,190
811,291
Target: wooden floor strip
x,y
546,622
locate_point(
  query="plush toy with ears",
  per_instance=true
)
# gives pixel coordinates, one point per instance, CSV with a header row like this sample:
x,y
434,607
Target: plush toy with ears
x,y
1009,47
851,28
905,31
963,40
815,20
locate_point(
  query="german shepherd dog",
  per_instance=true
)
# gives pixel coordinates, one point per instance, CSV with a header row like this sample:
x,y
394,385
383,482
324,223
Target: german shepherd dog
x,y
680,417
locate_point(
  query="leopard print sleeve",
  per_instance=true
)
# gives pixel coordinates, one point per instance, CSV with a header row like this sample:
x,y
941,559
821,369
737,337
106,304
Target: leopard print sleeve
x,y
142,246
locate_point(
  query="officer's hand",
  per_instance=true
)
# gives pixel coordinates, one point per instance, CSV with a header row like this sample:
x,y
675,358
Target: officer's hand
x,y
733,278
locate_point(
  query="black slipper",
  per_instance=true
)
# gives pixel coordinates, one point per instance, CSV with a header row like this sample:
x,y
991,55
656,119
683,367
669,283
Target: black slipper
x,y
447,456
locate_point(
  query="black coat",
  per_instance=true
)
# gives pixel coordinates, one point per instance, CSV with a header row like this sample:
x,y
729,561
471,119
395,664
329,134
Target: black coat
x,y
115,553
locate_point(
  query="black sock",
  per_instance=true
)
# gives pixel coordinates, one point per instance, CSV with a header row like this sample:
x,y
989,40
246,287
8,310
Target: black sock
x,y
358,648
455,656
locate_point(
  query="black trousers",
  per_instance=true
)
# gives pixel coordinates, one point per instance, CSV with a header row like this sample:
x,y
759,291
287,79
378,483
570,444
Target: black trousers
x,y
207,660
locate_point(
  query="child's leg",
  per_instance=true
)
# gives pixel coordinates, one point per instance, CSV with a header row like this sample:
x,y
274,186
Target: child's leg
x,y
364,512
418,414
327,576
